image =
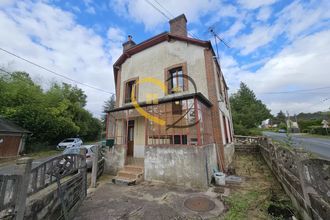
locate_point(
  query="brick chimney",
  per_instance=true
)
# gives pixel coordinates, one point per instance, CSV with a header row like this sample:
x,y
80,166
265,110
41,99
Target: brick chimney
x,y
129,43
178,26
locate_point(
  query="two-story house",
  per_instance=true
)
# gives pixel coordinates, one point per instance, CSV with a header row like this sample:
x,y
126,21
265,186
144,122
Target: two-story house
x,y
172,109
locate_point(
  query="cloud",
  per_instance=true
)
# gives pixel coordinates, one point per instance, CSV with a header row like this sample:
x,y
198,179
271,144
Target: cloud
x,y
52,37
264,13
234,29
140,11
290,22
303,65
253,4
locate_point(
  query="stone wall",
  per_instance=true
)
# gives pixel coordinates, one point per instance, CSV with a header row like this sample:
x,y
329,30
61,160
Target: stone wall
x,y
190,166
114,159
247,148
46,204
306,180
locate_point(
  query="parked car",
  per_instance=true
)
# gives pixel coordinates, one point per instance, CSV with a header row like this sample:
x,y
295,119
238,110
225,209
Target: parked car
x,y
90,149
69,142
281,131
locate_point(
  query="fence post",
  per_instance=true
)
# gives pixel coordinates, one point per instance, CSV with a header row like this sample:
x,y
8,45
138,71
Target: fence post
x,y
83,171
95,167
25,165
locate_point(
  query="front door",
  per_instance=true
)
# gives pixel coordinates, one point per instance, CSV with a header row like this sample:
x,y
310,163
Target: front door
x,y
130,138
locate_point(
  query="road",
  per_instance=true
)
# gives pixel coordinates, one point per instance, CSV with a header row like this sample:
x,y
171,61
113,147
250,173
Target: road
x,y
319,146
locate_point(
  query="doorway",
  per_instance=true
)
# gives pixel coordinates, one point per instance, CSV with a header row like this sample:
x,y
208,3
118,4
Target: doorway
x,y
130,138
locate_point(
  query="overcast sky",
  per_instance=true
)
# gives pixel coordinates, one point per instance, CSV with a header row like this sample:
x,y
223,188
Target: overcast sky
x,y
280,48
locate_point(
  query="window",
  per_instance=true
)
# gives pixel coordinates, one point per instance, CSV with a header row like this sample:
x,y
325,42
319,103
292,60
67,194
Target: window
x,y
128,91
177,108
176,79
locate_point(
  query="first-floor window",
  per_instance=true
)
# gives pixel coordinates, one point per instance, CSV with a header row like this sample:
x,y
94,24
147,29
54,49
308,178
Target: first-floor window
x,y
128,91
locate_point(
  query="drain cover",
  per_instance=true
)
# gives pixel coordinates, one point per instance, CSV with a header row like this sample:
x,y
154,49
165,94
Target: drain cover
x,y
199,204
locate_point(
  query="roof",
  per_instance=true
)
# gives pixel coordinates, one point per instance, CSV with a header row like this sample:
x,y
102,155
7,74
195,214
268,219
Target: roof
x,y
7,126
166,99
165,36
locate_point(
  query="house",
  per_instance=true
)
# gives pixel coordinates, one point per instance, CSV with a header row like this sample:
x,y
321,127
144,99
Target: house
x,y
172,115
292,126
12,138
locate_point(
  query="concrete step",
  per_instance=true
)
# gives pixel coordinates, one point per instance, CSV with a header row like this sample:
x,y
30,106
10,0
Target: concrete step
x,y
124,181
129,175
125,174
139,169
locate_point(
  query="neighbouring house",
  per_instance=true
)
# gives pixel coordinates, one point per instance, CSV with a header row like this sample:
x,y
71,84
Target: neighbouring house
x,y
266,123
292,126
172,116
12,138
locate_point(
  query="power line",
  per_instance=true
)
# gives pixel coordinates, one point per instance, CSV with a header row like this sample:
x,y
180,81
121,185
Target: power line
x,y
55,73
164,8
5,71
297,91
166,16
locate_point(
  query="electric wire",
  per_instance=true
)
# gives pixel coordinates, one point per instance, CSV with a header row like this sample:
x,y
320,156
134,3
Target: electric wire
x,y
53,72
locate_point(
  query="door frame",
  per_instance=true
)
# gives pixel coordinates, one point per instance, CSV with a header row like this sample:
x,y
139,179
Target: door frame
x,y
130,143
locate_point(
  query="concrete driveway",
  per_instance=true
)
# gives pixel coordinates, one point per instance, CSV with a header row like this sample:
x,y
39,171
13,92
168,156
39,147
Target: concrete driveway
x,y
145,201
319,146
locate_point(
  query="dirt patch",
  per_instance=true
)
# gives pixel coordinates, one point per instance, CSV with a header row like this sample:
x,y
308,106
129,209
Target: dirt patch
x,y
260,195
147,201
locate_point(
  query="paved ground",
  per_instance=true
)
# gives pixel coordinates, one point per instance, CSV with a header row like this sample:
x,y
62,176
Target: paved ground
x,y
144,201
319,146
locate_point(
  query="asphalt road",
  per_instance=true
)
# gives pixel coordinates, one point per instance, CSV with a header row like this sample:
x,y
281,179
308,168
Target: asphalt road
x,y
319,146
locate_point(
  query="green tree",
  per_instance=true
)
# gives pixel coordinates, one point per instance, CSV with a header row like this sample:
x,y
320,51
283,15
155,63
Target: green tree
x,y
50,115
247,111
109,104
280,118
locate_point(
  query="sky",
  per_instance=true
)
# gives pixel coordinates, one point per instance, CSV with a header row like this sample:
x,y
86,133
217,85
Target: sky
x,y
279,48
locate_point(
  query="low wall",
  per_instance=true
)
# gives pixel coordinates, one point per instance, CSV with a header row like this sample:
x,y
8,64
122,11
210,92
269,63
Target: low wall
x,y
46,204
229,151
114,159
306,180
190,166
244,148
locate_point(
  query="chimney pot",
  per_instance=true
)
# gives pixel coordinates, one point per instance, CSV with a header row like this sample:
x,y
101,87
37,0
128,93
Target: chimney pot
x,y
129,43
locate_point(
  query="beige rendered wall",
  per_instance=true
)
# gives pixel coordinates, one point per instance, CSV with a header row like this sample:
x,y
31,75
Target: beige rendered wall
x,y
153,61
139,137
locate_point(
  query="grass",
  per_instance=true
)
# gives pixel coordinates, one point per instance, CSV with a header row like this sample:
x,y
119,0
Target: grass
x,y
240,204
251,199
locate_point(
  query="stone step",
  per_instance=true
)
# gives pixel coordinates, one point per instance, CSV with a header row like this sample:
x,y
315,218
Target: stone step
x,y
124,181
129,175
139,169
123,173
